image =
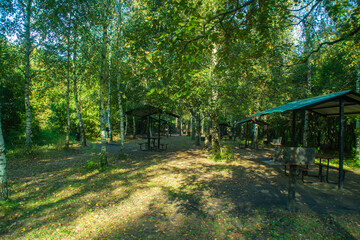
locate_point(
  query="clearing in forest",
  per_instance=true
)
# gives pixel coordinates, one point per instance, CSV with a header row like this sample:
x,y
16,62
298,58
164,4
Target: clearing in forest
x,y
176,194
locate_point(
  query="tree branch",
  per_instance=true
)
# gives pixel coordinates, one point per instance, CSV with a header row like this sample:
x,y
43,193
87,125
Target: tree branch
x,y
328,43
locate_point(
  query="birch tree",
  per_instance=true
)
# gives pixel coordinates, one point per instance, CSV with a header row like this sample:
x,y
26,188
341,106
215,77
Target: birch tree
x,y
27,72
3,177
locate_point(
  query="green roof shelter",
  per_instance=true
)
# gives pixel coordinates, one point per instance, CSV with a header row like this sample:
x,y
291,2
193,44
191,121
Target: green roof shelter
x,y
331,105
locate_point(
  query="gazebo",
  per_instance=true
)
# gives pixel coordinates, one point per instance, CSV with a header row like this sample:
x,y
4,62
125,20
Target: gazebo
x,y
146,111
252,120
337,104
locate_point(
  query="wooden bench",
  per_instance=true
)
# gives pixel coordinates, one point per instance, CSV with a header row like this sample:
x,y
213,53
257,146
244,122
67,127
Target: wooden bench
x,y
301,169
327,166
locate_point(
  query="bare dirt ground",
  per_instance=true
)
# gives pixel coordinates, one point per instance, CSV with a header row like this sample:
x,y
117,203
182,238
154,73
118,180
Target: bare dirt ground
x,y
250,182
172,193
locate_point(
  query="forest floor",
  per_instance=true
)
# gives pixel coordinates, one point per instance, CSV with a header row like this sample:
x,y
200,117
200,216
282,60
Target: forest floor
x,y
180,193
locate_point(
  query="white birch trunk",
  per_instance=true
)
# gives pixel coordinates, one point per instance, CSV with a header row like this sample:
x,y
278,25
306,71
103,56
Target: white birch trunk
x,y
215,128
103,159
109,99
28,50
308,87
307,114
121,115
68,127
207,133
3,177
77,105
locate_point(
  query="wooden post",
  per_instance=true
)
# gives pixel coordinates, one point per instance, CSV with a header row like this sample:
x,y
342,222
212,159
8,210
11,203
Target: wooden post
x,y
148,132
159,131
292,188
292,174
341,145
293,139
246,133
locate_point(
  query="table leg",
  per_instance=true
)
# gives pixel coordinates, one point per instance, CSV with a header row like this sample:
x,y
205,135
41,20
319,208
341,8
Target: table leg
x,y
327,171
320,171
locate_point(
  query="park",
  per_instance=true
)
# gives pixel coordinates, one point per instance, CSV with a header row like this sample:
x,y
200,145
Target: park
x,y
147,119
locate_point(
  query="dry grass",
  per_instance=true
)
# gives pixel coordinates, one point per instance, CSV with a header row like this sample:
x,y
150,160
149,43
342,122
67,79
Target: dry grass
x,y
176,194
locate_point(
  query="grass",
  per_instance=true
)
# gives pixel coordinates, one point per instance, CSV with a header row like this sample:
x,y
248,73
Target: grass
x,y
158,198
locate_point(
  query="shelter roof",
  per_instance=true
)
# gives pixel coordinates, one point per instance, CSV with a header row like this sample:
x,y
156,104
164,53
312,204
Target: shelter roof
x,y
147,110
326,105
257,121
157,119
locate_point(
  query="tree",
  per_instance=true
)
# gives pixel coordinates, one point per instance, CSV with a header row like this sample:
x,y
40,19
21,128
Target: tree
x,y
27,73
3,178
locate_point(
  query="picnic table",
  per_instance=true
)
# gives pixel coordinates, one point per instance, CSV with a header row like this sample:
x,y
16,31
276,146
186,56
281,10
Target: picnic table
x,y
153,144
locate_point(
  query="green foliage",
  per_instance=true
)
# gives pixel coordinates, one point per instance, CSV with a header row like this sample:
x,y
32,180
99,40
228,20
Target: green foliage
x,y
90,165
353,161
226,154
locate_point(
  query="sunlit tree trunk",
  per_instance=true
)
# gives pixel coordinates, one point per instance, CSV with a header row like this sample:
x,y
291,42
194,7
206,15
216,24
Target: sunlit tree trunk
x,y
28,50
215,128
68,127
109,99
215,132
3,178
77,105
121,114
207,133
103,159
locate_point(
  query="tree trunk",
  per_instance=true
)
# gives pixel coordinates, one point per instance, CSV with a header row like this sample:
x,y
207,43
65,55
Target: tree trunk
x,y
192,124
307,114
68,127
215,133
358,120
103,158
215,129
126,125
207,133
176,125
109,99
77,105
3,178
134,127
121,115
198,128
292,188
255,135
308,86
180,125
28,50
